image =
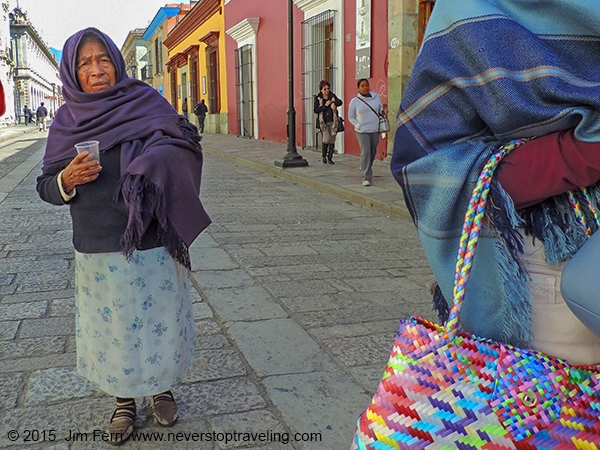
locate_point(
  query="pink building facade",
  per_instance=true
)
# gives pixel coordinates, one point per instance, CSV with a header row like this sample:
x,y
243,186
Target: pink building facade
x,y
336,40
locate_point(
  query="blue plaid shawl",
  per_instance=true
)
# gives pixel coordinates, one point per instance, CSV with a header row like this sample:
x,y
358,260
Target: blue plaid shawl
x,y
490,71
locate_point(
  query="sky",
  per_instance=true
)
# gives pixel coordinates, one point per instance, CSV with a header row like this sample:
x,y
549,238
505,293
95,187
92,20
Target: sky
x,y
56,20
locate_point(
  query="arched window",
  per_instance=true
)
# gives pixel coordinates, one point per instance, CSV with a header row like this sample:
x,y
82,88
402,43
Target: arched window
x,y
425,8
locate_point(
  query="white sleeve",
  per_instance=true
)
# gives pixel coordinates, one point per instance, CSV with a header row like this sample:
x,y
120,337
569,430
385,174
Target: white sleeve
x,y
66,197
352,113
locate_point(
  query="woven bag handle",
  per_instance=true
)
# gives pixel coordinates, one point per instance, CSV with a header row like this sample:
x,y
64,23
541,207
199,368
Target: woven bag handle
x,y
471,231
579,212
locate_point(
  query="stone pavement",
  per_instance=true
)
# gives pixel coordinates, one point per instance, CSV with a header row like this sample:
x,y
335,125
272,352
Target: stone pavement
x,y
297,295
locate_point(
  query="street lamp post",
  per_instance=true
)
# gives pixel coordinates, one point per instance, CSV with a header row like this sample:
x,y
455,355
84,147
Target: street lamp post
x,y
53,98
291,157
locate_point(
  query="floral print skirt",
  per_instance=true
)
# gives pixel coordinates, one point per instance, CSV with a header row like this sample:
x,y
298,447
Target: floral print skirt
x,y
135,329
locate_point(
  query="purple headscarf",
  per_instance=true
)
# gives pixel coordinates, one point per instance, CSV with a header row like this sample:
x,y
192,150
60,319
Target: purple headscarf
x,y
161,157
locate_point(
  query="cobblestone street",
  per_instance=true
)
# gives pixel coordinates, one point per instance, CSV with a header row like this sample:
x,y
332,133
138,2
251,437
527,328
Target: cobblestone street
x,y
297,295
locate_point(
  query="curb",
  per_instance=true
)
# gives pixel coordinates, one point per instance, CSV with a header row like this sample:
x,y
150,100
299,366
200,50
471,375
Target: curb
x,y
15,133
352,197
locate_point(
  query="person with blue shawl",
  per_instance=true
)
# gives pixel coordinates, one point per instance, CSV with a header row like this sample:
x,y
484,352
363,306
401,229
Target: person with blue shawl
x,y
491,71
134,213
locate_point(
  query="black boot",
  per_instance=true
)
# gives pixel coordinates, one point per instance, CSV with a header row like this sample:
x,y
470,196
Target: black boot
x,y
324,153
330,154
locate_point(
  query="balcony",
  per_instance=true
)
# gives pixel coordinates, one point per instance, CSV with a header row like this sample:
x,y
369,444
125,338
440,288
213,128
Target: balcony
x,y
147,74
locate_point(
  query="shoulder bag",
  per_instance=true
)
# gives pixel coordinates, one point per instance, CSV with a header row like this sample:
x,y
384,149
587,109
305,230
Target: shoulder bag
x,y
444,388
340,125
384,123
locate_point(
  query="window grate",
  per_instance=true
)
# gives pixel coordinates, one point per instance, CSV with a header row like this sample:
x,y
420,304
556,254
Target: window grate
x,y
244,91
318,63
212,69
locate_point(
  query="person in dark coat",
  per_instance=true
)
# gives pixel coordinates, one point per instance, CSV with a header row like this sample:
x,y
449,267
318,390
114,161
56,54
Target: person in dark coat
x,y
325,107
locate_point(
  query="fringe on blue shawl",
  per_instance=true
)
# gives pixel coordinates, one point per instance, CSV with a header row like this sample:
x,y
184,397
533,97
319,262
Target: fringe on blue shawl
x,y
503,223
555,223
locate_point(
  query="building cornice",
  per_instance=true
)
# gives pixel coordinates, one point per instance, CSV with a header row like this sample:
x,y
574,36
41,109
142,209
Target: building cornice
x,y
210,38
199,14
179,60
132,38
32,32
245,29
306,5
163,14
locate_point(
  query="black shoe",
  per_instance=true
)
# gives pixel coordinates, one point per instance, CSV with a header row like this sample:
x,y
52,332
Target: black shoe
x,y
330,154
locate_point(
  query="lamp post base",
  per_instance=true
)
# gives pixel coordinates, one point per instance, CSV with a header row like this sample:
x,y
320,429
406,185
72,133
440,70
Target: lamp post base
x,y
291,160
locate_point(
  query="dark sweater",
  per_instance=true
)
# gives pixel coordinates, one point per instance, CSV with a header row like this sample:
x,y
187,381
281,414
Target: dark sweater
x,y
98,220
326,110
547,166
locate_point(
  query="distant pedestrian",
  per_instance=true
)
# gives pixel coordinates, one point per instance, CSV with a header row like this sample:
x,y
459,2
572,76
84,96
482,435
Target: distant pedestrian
x,y
201,110
27,113
41,113
184,108
325,107
134,218
364,113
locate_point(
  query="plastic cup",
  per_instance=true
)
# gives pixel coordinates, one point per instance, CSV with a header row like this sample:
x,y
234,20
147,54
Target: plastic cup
x,y
89,146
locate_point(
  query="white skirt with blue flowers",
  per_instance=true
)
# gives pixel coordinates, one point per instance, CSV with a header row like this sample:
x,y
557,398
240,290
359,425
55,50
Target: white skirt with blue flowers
x,y
135,329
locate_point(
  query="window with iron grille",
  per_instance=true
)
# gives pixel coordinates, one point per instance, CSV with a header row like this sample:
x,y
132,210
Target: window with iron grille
x,y
194,80
173,80
158,55
318,63
425,8
147,74
212,69
244,91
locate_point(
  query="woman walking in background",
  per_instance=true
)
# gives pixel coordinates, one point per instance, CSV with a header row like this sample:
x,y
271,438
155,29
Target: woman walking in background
x,y
326,105
364,113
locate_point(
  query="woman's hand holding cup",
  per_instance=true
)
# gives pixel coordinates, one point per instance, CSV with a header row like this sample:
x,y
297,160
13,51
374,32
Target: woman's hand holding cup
x,y
81,170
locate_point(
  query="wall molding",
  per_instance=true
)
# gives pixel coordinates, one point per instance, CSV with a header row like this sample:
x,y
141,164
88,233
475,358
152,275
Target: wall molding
x,y
306,5
244,29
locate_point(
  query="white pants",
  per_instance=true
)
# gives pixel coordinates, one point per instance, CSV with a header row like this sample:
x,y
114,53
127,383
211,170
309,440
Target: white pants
x,y
556,330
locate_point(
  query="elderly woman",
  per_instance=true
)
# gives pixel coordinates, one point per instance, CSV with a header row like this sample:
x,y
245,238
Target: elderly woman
x,y
134,215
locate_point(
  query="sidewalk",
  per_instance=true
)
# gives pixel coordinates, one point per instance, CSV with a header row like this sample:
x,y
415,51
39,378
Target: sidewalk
x,y
342,179
14,131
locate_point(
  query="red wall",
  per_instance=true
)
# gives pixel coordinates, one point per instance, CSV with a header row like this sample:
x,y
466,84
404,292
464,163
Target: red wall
x,y
378,80
271,58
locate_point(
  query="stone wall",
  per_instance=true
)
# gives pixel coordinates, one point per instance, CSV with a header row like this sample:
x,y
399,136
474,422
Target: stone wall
x,y
403,18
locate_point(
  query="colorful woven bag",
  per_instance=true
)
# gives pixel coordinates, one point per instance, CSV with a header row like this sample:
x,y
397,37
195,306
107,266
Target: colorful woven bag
x,y
446,389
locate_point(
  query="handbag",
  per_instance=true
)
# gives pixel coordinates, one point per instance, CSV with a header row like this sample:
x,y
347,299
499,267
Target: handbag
x,y
340,127
444,388
384,123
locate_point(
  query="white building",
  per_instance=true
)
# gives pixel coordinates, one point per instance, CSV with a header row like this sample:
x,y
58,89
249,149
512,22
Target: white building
x,y
6,67
36,75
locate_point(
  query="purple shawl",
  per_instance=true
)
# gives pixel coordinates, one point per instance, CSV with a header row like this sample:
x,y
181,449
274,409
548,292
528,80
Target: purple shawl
x,y
161,157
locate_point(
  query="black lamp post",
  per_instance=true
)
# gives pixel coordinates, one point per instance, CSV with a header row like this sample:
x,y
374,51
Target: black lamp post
x,y
291,157
53,98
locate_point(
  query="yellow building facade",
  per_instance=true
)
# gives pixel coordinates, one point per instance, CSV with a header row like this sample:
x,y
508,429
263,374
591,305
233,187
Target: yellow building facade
x,y
196,67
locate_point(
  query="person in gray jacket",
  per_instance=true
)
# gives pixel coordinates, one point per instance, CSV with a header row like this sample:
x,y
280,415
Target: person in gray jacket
x,y
364,112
